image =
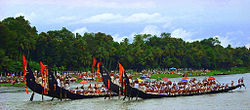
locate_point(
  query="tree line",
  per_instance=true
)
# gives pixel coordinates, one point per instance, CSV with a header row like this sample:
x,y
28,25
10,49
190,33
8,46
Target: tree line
x,y
64,50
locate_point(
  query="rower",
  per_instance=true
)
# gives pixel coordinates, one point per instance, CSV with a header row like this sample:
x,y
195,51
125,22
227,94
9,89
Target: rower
x,y
232,83
136,86
242,82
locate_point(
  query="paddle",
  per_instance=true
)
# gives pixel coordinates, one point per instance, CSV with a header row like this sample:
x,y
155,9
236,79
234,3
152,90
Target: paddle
x,y
32,96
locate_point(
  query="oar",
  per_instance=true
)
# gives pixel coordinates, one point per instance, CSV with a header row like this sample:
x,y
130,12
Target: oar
x,y
109,94
244,86
42,95
137,95
32,96
217,82
126,85
126,92
60,93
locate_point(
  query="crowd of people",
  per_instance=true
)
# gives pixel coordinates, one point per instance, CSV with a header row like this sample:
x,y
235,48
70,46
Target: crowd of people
x,y
91,90
182,87
11,79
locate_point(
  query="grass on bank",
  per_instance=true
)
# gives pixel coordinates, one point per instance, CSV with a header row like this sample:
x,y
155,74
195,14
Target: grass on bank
x,y
234,70
9,84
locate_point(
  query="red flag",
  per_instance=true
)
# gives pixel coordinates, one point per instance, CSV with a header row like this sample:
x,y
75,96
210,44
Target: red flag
x,y
121,70
97,78
98,71
27,91
98,67
108,84
24,66
42,67
24,73
54,87
94,62
93,65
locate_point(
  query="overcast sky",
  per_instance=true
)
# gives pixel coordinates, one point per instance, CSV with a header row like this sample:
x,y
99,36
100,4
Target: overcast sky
x,y
229,20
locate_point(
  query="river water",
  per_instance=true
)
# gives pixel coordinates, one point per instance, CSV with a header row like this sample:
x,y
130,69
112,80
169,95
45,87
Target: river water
x,y
16,98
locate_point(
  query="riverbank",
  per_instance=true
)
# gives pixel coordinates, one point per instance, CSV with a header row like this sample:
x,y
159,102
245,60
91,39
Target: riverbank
x,y
238,70
194,73
14,85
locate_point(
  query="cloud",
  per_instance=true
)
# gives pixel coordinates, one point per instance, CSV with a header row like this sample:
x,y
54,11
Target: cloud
x,y
118,18
167,25
81,30
148,29
225,41
105,17
29,17
181,33
144,17
151,29
234,38
66,18
119,38
247,46
116,4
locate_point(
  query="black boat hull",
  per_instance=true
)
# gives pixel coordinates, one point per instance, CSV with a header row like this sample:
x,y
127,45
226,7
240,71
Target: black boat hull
x,y
56,92
133,92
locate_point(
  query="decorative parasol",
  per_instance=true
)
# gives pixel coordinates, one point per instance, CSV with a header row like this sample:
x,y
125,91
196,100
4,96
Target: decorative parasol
x,y
211,78
184,77
83,82
184,80
165,79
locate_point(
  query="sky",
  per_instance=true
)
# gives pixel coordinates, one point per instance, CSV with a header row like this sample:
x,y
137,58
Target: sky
x,y
191,20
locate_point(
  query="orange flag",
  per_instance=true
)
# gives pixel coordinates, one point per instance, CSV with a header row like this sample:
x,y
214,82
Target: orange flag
x,y
94,61
98,67
97,78
121,70
98,71
27,91
108,84
93,65
42,67
24,73
24,66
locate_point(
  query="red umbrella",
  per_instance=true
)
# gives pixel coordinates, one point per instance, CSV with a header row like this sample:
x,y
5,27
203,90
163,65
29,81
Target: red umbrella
x,y
165,79
83,82
211,78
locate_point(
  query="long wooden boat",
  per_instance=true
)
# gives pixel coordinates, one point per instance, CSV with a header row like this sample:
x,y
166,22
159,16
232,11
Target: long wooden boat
x,y
54,90
133,92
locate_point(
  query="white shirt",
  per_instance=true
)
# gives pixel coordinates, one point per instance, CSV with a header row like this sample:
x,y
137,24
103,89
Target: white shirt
x,y
136,85
58,82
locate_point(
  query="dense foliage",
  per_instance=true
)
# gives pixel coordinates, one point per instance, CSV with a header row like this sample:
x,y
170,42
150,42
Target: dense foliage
x,y
61,49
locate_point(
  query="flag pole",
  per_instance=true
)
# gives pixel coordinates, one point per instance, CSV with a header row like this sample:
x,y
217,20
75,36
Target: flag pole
x,y
32,96
119,82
